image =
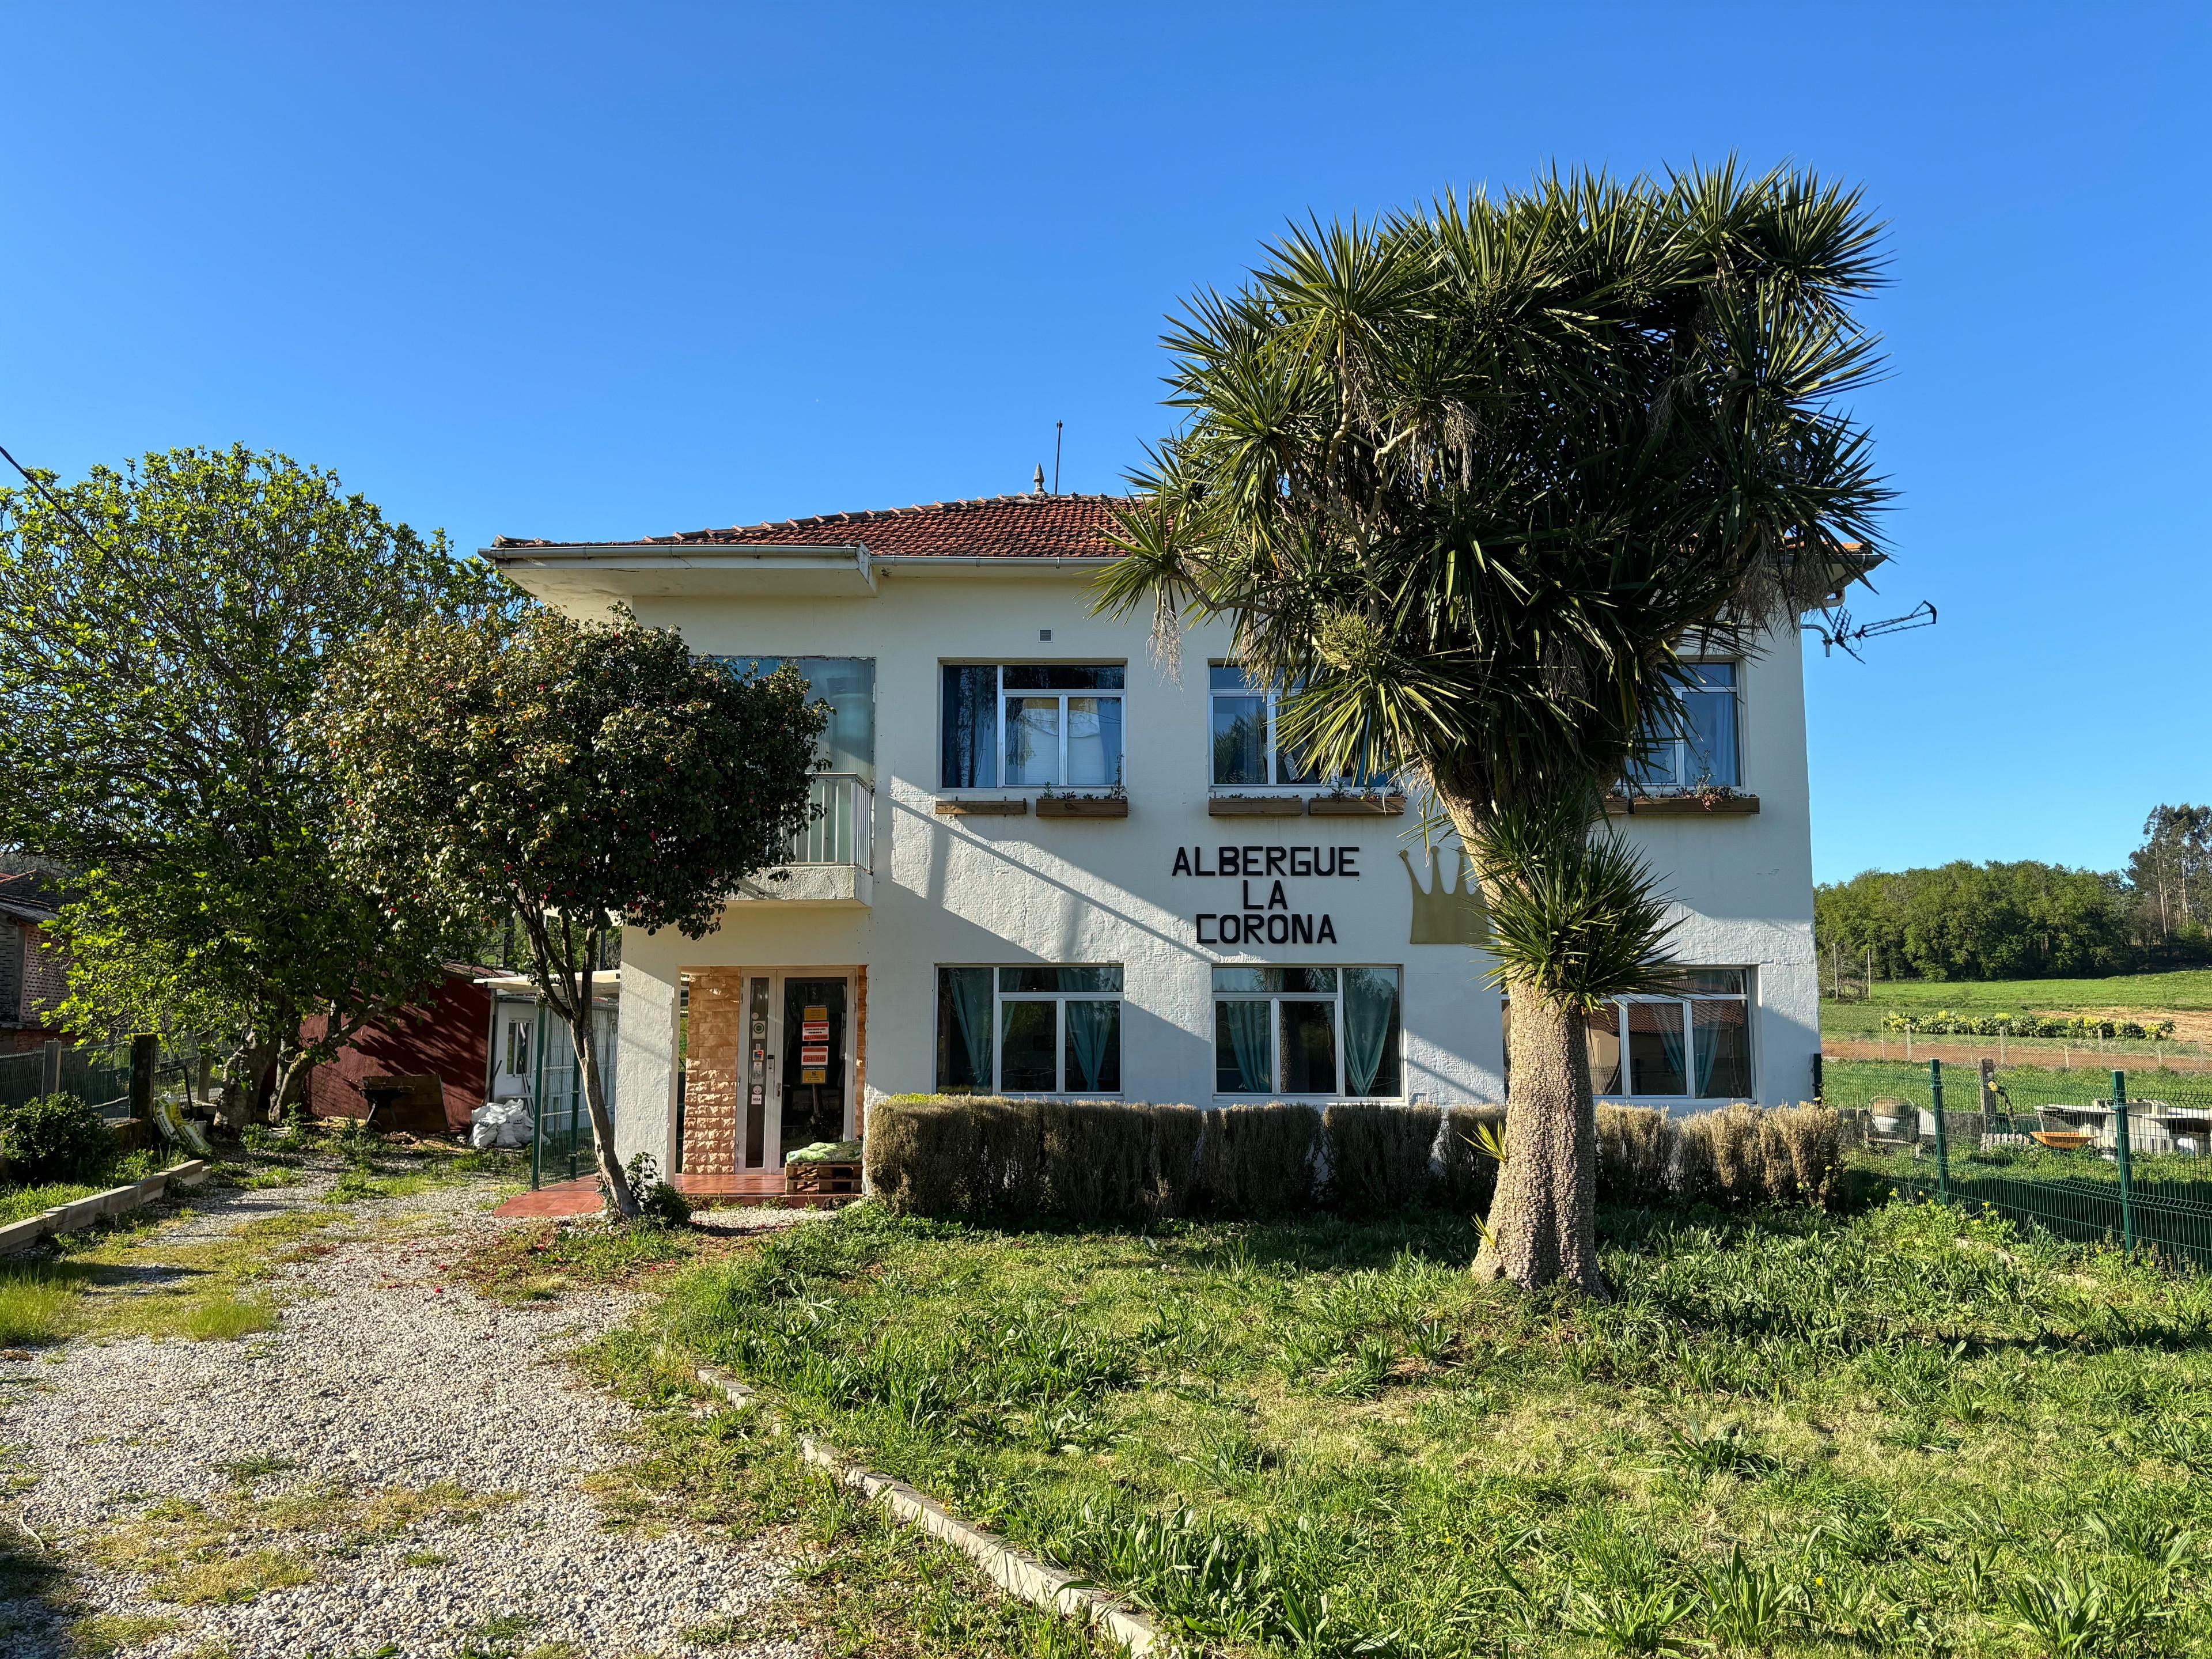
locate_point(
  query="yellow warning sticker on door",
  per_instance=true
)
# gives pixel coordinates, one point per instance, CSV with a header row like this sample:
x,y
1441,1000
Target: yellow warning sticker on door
x,y
816,1011
805,1076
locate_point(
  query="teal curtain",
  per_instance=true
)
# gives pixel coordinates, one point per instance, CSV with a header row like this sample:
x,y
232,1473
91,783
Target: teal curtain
x,y
1370,1009
1090,1040
1245,1024
1670,1036
971,1006
1708,1049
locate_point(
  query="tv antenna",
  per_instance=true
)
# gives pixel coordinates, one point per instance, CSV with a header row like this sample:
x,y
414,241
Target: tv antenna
x,y
1058,427
1836,628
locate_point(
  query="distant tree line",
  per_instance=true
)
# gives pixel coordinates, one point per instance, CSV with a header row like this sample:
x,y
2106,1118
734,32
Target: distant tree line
x,y
2026,920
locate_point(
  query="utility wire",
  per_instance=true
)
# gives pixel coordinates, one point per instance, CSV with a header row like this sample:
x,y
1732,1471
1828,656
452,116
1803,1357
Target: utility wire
x,y
53,501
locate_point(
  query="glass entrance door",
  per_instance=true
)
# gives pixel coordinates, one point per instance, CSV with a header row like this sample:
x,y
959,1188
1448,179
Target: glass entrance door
x,y
792,1066
813,1063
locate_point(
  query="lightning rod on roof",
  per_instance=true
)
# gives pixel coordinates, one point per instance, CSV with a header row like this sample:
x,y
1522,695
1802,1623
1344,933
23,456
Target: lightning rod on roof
x,y
1058,428
1037,485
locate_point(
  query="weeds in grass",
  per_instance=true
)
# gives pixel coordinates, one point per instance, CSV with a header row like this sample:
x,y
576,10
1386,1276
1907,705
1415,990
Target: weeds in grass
x,y
226,1318
100,1634
38,1304
539,1263
1786,1429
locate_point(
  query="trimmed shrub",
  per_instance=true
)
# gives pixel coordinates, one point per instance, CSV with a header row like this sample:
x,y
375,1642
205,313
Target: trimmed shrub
x,y
1462,1176
1259,1160
1378,1156
1633,1148
1808,1141
53,1138
1095,1159
983,1158
1177,1132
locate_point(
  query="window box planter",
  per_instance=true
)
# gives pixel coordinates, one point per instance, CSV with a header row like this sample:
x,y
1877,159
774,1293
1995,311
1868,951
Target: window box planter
x,y
1083,806
1357,806
1255,806
1688,805
982,808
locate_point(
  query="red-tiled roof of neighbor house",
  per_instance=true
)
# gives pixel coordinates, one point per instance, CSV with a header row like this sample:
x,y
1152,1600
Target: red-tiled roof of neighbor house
x,y
994,526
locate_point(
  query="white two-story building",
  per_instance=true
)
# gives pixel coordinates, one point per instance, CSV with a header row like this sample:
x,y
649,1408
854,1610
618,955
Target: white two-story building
x,y
1047,864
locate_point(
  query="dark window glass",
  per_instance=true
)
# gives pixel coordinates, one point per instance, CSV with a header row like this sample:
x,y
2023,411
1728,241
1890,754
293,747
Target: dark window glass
x,y
1308,1047
1242,1061
1370,1031
1106,977
1063,676
1093,1057
1246,980
1654,1049
1027,1040
1723,1049
971,726
963,1030
1240,740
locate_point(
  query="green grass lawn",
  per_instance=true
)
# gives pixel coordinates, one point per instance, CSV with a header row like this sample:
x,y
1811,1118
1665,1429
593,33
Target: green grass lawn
x,y
2151,992
1899,1428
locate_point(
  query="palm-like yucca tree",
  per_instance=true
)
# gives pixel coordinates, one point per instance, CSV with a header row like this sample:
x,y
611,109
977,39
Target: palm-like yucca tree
x,y
1467,480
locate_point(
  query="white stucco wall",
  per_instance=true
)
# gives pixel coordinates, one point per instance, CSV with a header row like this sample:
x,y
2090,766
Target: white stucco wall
x,y
1008,889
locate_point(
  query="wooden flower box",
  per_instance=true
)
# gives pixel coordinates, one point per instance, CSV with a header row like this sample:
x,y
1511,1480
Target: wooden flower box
x,y
1357,806
1083,806
826,1178
1255,806
982,808
1680,807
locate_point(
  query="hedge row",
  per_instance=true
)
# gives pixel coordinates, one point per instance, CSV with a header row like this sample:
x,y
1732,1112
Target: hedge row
x,y
2081,1027
984,1158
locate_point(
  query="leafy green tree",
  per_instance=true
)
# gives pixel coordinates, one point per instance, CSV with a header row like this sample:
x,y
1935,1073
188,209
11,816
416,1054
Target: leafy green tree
x,y
161,628
574,775
2023,920
1466,481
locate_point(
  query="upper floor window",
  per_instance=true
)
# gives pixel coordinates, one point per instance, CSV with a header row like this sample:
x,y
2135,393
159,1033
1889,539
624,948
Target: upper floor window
x,y
1036,1029
1246,749
1027,726
847,684
1700,752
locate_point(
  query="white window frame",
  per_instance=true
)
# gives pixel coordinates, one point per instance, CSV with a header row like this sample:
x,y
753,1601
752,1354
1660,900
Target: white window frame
x,y
1686,1001
1273,700
1276,999
1038,694
1678,745
1000,996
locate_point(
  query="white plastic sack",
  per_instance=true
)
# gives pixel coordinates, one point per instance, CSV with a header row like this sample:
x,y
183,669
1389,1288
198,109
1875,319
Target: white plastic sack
x,y
503,1123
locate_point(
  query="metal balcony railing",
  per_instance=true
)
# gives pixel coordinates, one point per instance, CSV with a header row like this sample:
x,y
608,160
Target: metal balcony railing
x,y
843,830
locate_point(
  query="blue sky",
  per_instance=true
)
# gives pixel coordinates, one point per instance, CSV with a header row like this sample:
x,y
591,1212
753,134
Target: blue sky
x,y
609,272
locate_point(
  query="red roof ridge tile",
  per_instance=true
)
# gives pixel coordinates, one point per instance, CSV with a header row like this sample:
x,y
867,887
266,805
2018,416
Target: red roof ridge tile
x,y
1034,526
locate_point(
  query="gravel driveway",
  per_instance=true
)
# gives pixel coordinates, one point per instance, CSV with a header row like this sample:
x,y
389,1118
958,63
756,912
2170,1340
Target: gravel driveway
x,y
435,1441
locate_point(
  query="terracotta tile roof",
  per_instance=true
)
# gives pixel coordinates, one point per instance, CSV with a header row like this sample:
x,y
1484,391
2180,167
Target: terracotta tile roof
x,y
1011,527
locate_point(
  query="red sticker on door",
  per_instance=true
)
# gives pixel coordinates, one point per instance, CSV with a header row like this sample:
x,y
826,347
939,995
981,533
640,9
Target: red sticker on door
x,y
815,1030
814,1056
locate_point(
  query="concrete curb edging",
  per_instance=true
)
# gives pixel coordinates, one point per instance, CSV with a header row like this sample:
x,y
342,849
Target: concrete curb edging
x,y
1012,1571
86,1211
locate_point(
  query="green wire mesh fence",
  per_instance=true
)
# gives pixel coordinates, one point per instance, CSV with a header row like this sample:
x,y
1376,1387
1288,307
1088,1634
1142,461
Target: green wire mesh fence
x,y
2079,1156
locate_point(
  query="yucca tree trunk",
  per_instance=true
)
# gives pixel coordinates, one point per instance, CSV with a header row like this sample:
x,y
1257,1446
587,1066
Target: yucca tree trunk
x,y
1543,1220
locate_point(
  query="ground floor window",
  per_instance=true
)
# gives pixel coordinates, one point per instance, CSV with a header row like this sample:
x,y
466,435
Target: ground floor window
x,y
1306,1031
1029,1030
1691,1041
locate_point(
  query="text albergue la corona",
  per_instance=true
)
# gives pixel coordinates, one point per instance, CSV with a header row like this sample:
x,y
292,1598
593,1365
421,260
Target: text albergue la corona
x,y
1266,917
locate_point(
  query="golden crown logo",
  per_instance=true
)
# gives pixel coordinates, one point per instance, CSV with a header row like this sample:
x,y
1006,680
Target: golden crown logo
x,y
1446,915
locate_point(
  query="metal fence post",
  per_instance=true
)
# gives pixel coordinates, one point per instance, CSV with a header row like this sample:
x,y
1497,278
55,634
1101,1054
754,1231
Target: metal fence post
x,y
2120,1149
49,1068
1943,1141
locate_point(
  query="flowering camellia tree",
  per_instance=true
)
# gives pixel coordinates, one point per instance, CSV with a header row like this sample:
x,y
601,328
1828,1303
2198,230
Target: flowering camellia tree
x,y
577,776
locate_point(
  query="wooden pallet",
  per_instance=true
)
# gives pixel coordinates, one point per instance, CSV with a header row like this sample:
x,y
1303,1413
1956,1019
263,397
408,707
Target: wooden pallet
x,y
822,1178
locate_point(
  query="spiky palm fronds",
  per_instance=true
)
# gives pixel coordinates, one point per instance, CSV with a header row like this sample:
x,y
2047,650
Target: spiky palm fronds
x,y
1574,917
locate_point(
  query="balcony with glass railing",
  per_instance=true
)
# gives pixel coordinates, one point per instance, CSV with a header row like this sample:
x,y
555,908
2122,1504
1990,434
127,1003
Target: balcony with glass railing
x,y
832,859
